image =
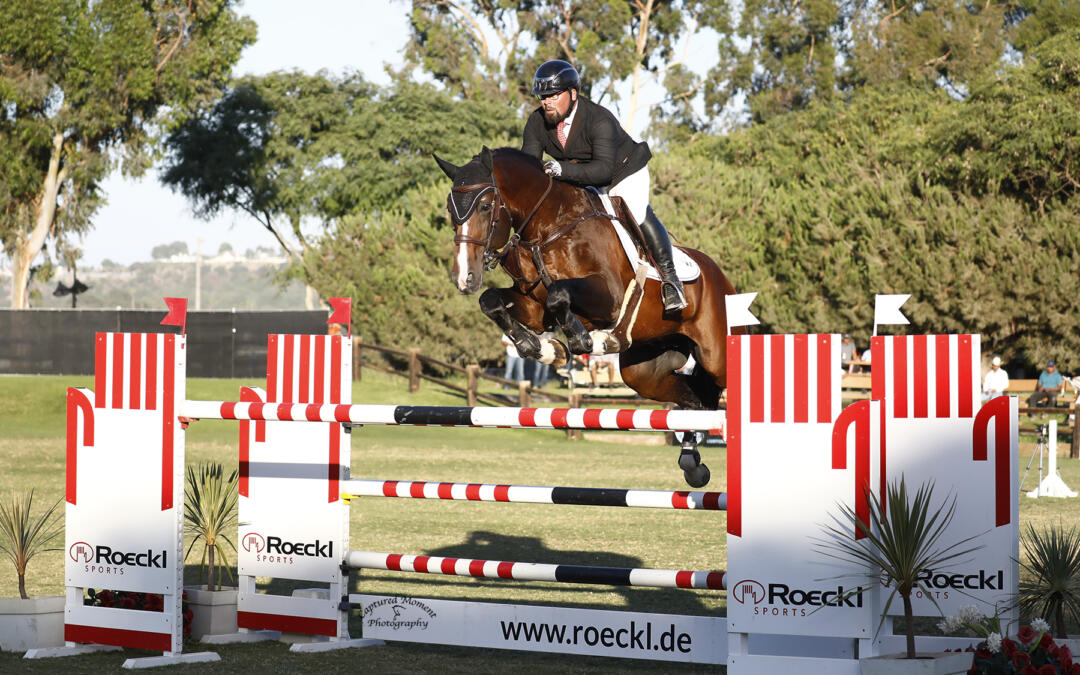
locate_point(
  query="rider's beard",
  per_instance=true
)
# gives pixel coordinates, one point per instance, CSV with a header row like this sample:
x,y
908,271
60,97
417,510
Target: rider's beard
x,y
552,118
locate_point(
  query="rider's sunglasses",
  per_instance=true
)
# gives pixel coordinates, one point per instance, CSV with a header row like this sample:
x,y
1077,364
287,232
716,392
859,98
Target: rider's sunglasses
x,y
544,97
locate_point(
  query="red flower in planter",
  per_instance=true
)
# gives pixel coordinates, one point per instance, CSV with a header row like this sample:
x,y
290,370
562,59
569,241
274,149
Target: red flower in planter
x,y
1020,659
1046,642
1048,670
1025,635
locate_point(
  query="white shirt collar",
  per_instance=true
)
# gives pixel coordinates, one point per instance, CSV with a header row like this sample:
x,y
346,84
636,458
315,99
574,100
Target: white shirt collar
x,y
570,118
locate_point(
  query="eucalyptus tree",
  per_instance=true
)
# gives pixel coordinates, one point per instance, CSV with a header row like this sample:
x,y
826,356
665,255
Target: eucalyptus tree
x,y
491,48
86,85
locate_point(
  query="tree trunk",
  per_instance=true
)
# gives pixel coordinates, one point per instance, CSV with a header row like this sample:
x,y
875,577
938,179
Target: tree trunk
x,y
211,577
28,248
22,587
909,626
1059,619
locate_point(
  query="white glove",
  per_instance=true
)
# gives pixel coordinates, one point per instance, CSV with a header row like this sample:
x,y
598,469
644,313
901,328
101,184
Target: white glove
x,y
552,168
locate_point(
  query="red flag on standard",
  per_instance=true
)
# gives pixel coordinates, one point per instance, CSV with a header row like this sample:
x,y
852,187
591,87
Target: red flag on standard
x,y
342,312
177,315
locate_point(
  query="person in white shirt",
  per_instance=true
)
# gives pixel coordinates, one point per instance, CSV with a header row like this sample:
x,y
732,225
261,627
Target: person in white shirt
x,y
996,381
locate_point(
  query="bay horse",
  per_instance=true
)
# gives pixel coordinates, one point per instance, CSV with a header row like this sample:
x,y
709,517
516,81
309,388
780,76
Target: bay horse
x,y
570,272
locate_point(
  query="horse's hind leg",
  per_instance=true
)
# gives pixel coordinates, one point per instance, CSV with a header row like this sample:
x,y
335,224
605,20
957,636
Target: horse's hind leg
x,y
649,369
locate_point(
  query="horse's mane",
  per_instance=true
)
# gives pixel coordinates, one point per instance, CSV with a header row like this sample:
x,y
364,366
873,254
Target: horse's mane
x,y
511,154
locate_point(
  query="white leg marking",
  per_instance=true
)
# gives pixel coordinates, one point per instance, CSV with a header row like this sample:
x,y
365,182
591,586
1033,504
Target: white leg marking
x,y
547,352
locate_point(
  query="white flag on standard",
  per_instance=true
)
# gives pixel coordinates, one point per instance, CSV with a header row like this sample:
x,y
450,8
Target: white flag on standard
x,y
738,310
887,310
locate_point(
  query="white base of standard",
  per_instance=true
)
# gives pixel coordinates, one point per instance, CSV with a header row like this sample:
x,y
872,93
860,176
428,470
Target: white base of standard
x,y
170,660
331,645
72,650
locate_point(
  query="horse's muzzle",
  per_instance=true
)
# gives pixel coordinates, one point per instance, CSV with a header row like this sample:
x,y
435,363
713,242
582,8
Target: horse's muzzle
x,y
471,284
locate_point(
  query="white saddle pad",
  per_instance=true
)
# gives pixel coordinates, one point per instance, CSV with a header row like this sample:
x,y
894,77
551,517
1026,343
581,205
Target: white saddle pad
x,y
685,268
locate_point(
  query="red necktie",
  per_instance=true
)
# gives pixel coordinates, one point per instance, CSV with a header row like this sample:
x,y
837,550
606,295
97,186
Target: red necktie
x,y
561,131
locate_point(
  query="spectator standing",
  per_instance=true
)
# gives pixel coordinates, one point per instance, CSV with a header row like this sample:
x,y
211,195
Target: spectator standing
x,y
996,381
540,371
1047,388
847,353
515,365
608,361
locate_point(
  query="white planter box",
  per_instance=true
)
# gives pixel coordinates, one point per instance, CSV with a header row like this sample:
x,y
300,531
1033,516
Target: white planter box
x,y
214,611
935,663
32,623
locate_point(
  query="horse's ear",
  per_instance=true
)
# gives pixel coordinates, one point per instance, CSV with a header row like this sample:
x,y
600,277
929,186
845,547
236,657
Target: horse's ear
x,y
449,169
485,158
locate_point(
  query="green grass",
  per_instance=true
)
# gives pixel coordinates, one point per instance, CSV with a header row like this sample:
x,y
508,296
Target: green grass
x,y
32,415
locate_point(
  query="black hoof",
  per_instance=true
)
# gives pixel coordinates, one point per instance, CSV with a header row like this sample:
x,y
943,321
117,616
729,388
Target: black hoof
x,y
698,476
689,460
580,344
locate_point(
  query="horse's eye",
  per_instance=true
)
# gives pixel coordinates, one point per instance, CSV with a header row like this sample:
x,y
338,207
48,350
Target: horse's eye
x,y
486,206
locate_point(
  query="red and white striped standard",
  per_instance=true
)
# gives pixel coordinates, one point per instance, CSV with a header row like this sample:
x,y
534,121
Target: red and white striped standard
x,y
926,376
519,571
448,416
536,494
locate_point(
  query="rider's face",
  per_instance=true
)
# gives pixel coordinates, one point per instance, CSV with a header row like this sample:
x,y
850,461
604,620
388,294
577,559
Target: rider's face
x,y
557,107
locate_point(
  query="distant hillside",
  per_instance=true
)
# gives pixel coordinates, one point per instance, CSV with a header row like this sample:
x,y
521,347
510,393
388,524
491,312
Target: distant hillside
x,y
227,283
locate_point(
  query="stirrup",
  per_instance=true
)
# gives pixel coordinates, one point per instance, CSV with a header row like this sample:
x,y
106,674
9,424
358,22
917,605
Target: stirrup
x,y
673,296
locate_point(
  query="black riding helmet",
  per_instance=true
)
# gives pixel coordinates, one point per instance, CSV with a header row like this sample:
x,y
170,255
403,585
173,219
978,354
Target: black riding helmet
x,y
553,77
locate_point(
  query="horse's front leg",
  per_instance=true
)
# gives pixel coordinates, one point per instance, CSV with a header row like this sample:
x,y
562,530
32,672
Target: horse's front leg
x,y
590,297
514,313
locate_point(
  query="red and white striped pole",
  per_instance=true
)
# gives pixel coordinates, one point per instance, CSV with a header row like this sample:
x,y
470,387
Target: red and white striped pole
x,y
448,416
574,574
537,494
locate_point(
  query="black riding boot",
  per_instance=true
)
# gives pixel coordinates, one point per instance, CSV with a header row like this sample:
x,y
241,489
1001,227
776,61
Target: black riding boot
x,y
659,245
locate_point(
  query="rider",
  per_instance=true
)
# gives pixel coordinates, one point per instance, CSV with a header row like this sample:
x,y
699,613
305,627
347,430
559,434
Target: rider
x,y
589,147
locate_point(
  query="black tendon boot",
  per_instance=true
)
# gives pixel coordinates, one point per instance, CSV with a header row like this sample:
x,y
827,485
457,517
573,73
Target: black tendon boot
x,y
659,245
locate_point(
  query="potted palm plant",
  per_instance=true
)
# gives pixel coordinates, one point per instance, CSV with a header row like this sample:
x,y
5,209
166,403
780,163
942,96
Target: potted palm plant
x,y
902,539
210,499
1050,585
26,622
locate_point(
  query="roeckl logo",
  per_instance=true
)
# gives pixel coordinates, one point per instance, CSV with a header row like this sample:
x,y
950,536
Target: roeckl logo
x,y
317,548
105,555
975,581
816,598
82,552
748,591
253,540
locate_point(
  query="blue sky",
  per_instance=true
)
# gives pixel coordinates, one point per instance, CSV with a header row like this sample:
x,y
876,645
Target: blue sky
x,y
332,34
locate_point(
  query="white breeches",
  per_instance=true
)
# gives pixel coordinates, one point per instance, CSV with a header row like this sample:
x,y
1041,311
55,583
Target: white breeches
x,y
634,190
